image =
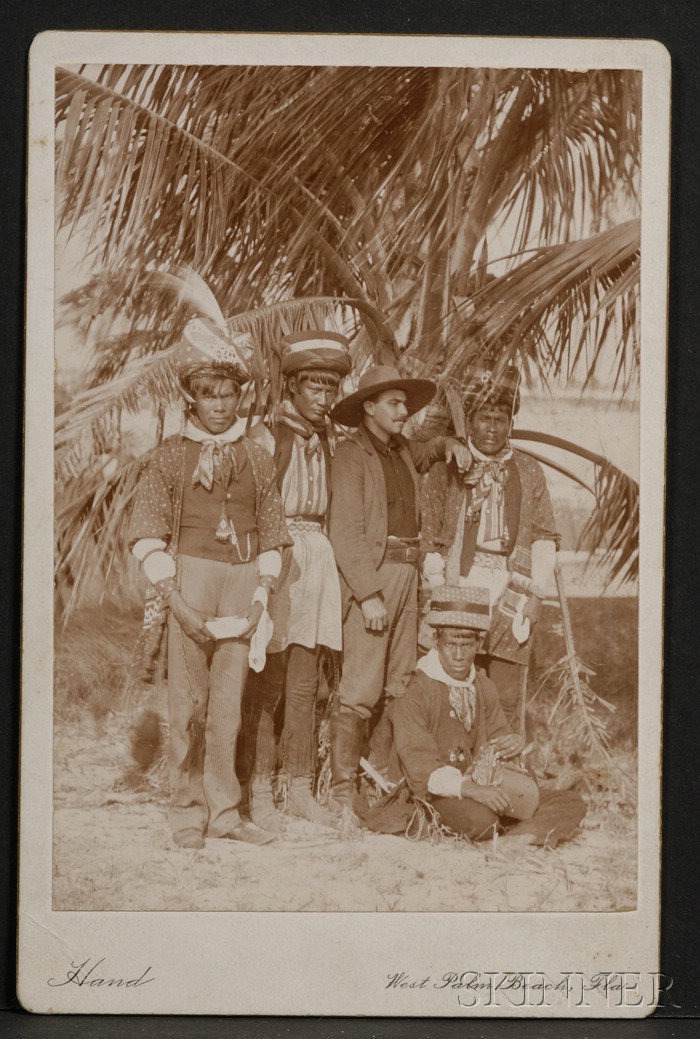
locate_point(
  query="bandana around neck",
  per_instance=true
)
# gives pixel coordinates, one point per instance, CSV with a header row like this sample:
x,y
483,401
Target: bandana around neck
x,y
462,693
289,416
487,476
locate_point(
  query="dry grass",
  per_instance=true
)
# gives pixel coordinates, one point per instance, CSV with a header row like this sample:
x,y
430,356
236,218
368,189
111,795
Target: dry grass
x,y
92,662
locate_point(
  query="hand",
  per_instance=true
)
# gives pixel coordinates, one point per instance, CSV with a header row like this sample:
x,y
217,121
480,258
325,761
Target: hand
x,y
456,449
508,746
532,610
193,622
374,613
253,615
434,569
492,797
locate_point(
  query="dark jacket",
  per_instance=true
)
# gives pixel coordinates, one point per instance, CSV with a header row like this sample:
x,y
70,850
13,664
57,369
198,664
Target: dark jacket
x,y
358,527
427,734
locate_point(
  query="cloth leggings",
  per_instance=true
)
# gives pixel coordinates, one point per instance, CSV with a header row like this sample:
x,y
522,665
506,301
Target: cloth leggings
x,y
292,674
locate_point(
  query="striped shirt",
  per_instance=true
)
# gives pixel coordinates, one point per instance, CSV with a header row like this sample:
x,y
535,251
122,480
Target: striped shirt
x,y
305,483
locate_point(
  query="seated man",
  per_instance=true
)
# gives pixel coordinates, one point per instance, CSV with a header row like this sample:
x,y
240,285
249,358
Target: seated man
x,y
454,744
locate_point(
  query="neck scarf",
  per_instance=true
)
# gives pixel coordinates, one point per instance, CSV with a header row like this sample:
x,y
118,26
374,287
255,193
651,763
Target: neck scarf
x,y
289,416
216,459
462,694
487,477
217,464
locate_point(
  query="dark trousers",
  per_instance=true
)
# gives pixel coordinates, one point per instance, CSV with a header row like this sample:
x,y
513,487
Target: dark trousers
x,y
292,674
558,814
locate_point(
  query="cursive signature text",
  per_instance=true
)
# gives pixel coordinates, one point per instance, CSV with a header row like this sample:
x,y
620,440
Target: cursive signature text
x,y
88,974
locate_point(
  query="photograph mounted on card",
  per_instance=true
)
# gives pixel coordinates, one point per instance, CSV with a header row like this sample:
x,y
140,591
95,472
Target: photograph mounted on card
x,y
345,452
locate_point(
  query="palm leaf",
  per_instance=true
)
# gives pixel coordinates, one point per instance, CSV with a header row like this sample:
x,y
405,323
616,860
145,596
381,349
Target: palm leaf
x,y
530,313
611,533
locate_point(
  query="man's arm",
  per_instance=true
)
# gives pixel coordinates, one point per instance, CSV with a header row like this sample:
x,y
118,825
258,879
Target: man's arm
x,y
271,523
432,507
413,717
545,542
543,524
347,529
149,534
152,511
425,453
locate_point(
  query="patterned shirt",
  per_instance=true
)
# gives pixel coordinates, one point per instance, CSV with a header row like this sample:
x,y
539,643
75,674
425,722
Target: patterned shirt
x,y
305,483
157,509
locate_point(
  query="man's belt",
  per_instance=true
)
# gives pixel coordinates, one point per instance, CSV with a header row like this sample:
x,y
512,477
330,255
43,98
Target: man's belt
x,y
399,550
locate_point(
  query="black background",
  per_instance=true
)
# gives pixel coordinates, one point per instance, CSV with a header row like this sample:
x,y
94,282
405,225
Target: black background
x,y
677,26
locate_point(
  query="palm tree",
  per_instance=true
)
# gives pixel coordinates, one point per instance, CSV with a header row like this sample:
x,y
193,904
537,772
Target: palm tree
x,y
440,215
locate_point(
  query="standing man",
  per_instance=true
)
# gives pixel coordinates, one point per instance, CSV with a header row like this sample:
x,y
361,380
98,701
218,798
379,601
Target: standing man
x,y
374,527
306,609
208,527
493,527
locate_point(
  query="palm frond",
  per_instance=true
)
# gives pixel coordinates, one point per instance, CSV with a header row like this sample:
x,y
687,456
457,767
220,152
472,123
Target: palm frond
x,y
90,549
531,313
308,194
614,525
611,534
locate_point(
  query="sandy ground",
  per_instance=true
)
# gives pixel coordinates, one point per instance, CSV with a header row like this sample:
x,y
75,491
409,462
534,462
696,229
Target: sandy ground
x,y
112,851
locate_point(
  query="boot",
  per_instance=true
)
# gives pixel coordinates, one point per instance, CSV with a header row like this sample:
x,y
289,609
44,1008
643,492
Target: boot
x,y
302,803
347,733
381,742
262,807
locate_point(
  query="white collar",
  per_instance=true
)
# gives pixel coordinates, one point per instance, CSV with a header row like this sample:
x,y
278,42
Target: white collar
x,y
430,665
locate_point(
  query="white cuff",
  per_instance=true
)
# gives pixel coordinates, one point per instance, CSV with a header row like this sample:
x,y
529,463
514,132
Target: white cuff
x,y
157,564
544,555
446,781
260,595
144,546
270,563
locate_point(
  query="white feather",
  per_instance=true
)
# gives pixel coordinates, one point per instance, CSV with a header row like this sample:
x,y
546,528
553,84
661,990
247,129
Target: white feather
x,y
193,290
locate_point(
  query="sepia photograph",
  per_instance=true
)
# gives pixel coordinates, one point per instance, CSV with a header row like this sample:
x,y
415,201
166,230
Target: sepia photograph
x,y
347,370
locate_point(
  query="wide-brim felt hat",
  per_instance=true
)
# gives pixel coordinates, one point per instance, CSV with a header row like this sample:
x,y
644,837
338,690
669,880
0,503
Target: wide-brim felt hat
x,y
377,379
315,350
455,606
489,386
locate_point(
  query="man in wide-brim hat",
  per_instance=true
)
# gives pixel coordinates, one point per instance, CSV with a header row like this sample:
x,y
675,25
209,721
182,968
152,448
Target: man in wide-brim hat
x,y
208,527
454,744
493,526
374,531
306,608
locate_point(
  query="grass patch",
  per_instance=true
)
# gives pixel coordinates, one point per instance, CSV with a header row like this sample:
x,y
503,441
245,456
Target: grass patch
x,y
92,662
605,633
